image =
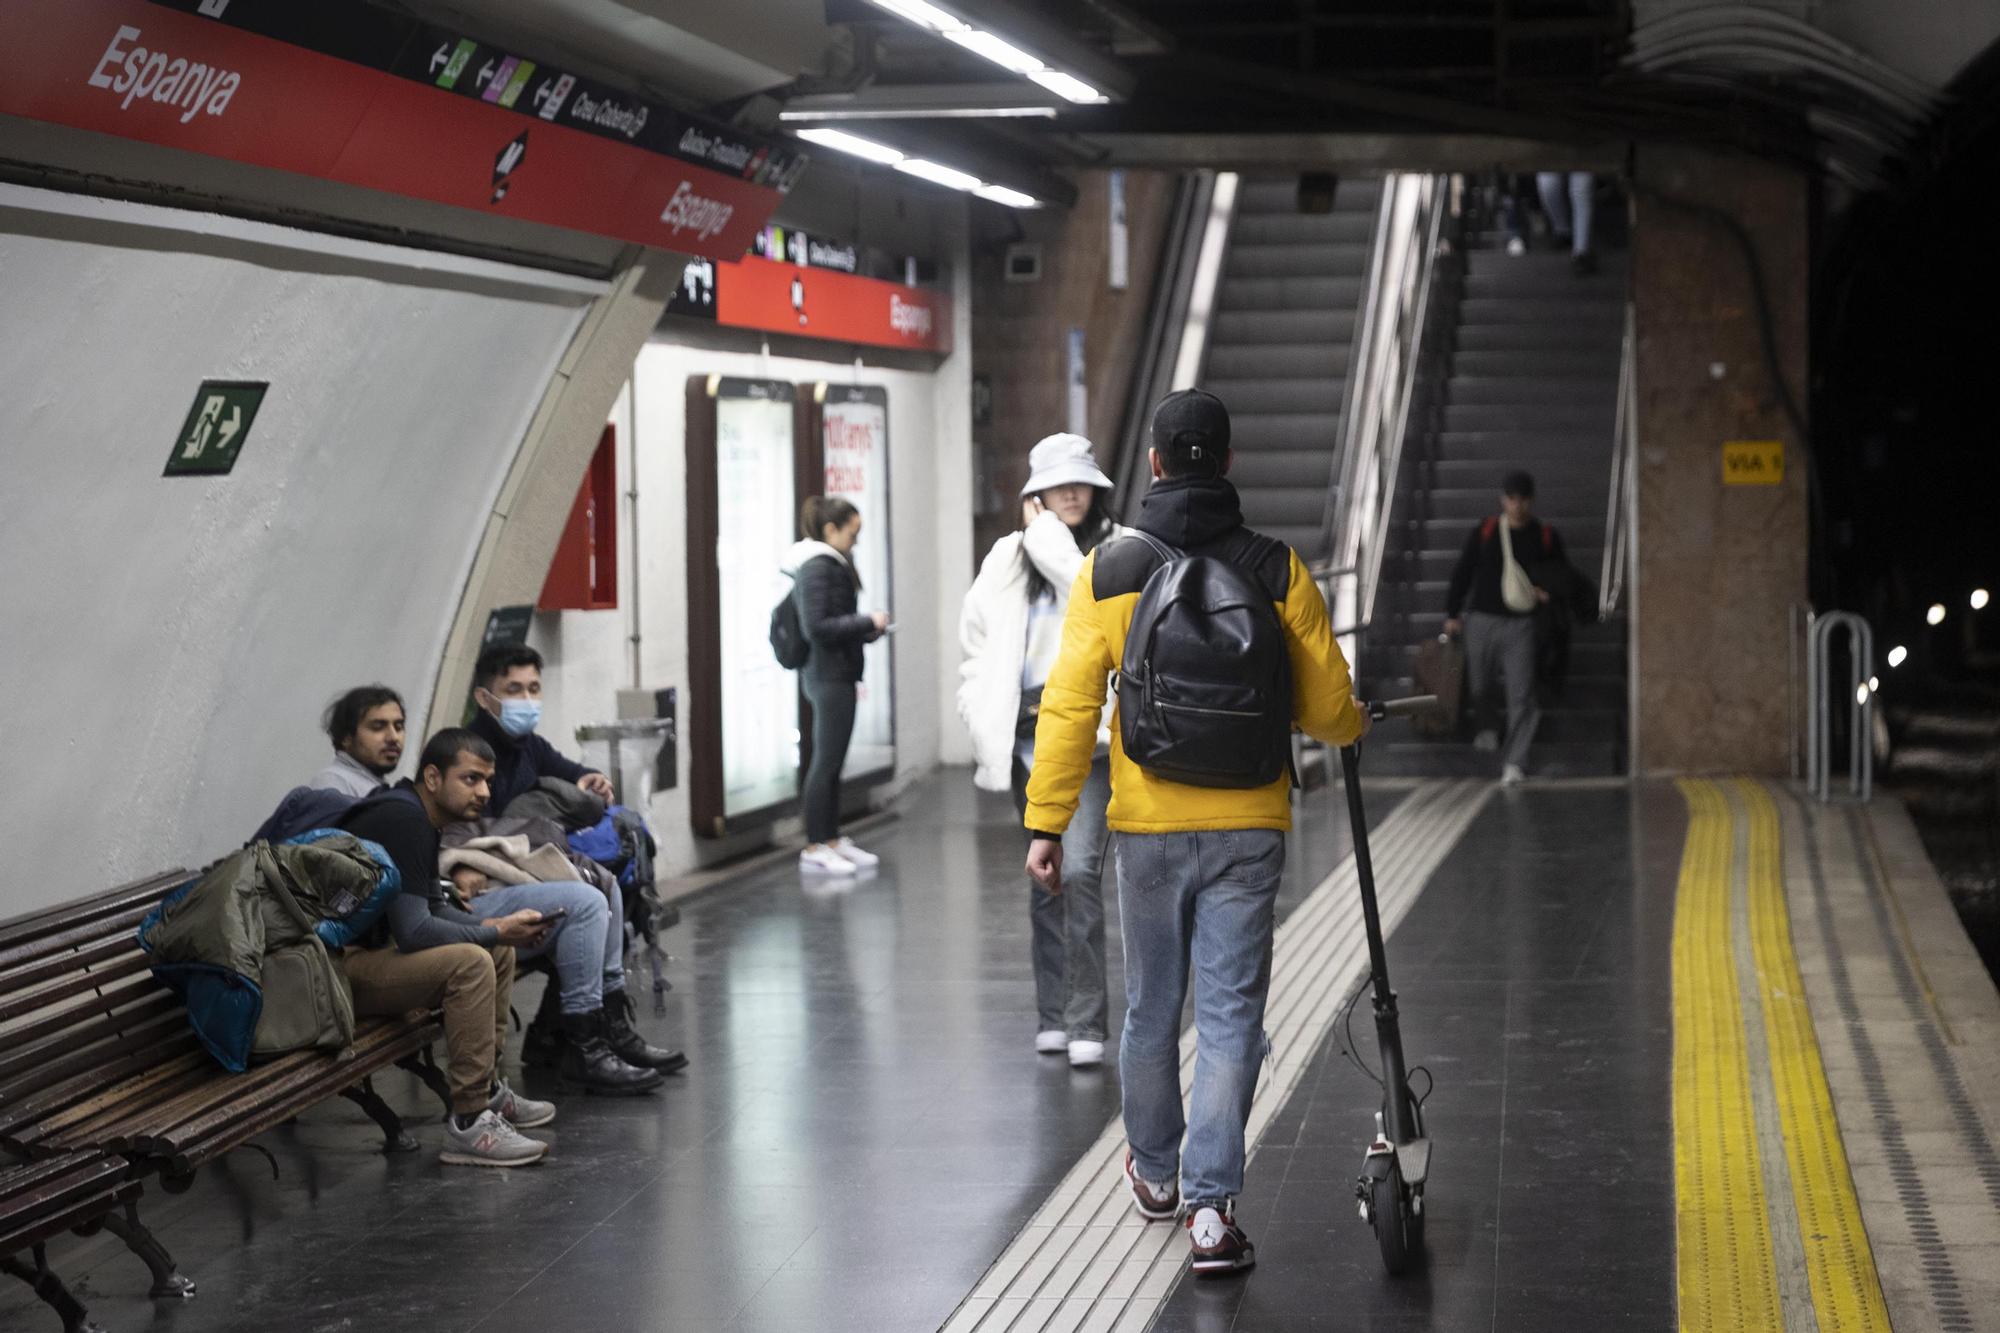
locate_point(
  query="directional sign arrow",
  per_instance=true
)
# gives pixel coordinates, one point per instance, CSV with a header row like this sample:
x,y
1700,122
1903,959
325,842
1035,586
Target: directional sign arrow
x,y
226,431
485,75
440,57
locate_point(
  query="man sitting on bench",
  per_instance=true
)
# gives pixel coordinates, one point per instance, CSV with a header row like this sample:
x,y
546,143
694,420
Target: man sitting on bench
x,y
425,953
366,728
507,688
599,1054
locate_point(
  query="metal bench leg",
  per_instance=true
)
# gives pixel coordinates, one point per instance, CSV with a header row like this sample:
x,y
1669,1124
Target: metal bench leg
x,y
395,1138
424,1065
167,1280
51,1290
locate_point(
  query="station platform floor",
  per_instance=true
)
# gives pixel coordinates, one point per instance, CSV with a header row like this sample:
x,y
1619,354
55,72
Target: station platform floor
x,y
1704,1057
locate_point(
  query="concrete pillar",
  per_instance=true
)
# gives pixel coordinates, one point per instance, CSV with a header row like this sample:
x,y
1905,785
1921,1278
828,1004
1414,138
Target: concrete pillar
x,y
1718,566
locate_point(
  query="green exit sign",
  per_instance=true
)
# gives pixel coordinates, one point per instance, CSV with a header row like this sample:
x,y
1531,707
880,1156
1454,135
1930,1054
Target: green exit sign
x,y
216,427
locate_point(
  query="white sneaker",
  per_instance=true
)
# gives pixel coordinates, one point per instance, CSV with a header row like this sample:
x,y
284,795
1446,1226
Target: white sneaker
x,y
1086,1054
489,1141
1052,1042
1516,246
1486,740
862,859
518,1111
823,860
1512,776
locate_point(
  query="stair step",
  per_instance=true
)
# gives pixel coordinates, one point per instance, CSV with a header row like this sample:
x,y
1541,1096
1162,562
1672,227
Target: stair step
x,y
1309,468
1305,538
1288,430
1599,393
1579,420
1236,328
1597,363
1586,335
1240,361
1450,533
1352,227
1282,506
1577,446
1265,397
1604,316
1304,292
1345,260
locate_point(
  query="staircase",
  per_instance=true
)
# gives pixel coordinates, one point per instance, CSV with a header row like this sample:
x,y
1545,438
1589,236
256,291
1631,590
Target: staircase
x,y
1286,310
1533,384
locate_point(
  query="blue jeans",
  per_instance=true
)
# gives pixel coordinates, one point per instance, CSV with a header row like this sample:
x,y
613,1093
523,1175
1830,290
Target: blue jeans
x,y
589,944
1206,903
1067,928
1566,198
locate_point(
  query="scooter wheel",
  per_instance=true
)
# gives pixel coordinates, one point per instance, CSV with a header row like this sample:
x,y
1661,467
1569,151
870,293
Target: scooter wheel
x,y
1399,1227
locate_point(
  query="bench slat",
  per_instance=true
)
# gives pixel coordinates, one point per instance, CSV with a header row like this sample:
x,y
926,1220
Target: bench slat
x,y
86,969
124,925
80,1125
142,1010
19,930
196,1151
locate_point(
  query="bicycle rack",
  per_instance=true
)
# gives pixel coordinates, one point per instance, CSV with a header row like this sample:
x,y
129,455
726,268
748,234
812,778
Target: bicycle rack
x,y
1860,703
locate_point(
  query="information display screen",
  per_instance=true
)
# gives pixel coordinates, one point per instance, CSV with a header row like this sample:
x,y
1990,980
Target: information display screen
x,y
855,437
755,467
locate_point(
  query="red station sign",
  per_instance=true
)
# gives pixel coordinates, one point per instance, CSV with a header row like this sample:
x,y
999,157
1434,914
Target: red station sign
x,y
399,107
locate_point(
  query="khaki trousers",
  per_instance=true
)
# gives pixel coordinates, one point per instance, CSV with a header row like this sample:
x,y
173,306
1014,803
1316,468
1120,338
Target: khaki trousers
x,y
472,984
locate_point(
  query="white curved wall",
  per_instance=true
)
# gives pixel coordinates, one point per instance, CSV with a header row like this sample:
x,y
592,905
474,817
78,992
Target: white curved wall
x,y
166,644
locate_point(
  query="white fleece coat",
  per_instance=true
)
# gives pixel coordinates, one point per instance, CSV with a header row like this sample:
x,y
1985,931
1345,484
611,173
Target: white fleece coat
x,y
993,633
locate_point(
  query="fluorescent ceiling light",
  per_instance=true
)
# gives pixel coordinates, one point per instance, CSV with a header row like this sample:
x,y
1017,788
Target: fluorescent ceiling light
x,y
1067,85
1002,53
939,174
1000,194
923,15
855,144
919,113
1898,655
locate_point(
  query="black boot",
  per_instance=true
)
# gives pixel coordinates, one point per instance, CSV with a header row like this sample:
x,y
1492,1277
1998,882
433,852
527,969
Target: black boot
x,y
543,1044
589,1063
625,1040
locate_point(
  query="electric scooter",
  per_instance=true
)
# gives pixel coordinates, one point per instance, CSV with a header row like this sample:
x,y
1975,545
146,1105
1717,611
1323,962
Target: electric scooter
x,y
1390,1189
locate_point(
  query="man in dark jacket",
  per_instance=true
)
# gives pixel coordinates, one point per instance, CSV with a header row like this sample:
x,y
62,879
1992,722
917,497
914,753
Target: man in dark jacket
x,y
1499,635
507,689
426,953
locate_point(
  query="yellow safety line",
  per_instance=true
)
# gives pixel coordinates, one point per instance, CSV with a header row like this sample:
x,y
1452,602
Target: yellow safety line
x,y
1728,1280
1847,1292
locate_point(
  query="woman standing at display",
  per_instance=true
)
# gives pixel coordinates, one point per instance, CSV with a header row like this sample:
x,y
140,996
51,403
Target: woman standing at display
x,y
828,589
1011,629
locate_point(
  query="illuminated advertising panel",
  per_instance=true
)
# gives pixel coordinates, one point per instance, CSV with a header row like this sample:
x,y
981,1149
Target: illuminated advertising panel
x,y
854,436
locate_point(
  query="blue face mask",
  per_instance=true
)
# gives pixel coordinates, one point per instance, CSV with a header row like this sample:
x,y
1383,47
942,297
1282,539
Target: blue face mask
x,y
519,716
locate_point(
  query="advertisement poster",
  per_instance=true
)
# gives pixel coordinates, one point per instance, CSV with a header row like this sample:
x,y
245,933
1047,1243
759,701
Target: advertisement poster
x,y
857,467
755,527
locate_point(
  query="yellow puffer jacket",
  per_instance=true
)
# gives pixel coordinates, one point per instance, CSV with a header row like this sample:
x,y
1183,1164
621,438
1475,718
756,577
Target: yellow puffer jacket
x,y
1200,516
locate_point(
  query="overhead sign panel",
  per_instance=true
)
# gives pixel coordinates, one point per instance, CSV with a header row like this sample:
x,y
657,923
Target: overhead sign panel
x,y
348,92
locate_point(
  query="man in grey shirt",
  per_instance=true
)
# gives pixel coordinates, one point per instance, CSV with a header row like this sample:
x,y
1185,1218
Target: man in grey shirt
x,y
366,728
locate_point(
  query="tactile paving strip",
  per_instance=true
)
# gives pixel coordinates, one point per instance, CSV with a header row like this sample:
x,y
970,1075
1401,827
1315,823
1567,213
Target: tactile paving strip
x,y
1086,1261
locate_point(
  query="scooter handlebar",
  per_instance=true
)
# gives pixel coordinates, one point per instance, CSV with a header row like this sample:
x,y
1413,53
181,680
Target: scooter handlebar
x,y
1382,709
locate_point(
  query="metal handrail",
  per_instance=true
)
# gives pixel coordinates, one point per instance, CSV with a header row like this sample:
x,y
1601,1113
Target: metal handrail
x,y
1621,495
1861,699
1382,371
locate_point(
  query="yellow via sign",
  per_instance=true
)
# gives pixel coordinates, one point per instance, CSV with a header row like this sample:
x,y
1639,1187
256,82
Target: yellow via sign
x,y
1753,462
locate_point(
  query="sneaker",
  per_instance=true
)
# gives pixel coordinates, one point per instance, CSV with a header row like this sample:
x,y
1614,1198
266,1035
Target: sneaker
x,y
1052,1041
821,859
1583,265
1086,1054
1516,246
1156,1203
518,1111
1512,776
488,1141
1218,1245
1486,740
863,860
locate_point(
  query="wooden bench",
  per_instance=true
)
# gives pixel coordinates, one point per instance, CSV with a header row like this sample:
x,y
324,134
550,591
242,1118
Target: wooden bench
x,y
100,1070
39,1201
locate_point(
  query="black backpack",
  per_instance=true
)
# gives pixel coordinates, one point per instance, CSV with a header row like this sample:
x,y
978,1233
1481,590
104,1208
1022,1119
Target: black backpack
x,y
1205,688
788,635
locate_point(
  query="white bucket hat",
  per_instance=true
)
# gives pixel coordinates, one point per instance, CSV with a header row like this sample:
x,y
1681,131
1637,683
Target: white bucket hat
x,y
1063,460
